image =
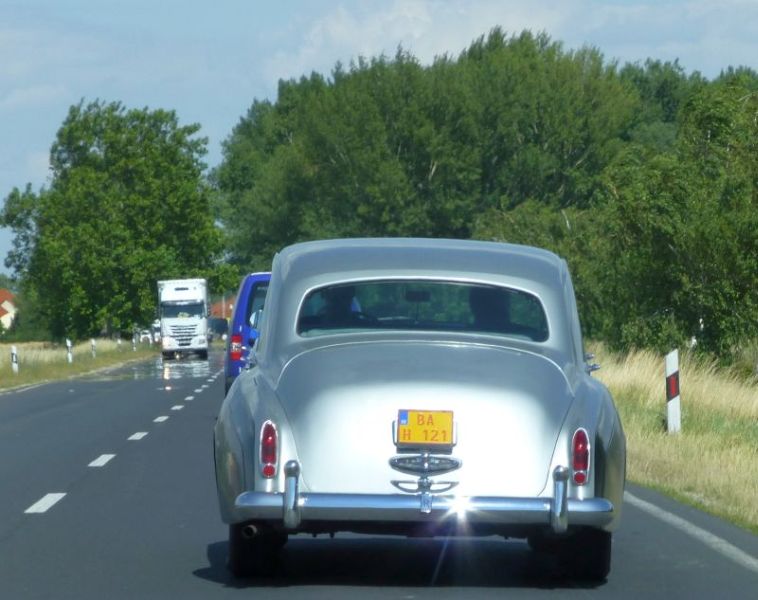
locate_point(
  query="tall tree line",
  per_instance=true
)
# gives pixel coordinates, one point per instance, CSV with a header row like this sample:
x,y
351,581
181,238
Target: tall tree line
x,y
642,176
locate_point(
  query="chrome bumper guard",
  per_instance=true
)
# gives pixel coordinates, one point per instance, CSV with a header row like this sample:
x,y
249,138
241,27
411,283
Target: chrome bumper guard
x,y
293,507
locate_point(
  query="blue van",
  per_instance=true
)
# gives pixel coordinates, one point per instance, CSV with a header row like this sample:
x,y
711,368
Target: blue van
x,y
241,336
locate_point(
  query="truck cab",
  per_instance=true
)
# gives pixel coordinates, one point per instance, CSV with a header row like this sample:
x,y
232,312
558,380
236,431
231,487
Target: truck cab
x,y
183,309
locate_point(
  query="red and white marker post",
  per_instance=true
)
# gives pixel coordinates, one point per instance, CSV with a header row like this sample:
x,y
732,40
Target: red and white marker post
x,y
673,405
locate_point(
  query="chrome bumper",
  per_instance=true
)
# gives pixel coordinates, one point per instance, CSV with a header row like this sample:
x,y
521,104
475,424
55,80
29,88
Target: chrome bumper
x,y
293,507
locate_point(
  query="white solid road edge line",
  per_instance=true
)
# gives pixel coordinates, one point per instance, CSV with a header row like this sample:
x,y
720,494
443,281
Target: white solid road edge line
x,y
43,504
718,544
101,460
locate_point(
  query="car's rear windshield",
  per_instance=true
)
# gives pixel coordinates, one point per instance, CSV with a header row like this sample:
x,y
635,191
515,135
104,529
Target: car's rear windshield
x,y
422,306
257,299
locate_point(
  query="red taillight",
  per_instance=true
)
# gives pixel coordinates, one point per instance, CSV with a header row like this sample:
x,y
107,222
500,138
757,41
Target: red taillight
x,y
580,457
235,347
269,444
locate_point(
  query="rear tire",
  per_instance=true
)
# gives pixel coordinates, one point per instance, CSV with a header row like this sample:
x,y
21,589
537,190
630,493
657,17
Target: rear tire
x,y
543,543
257,556
588,554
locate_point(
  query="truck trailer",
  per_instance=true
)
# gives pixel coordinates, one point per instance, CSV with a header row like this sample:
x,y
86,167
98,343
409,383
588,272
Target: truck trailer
x,y
183,307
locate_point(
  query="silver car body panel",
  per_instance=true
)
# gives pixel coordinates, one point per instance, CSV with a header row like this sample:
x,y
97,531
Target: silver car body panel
x,y
516,402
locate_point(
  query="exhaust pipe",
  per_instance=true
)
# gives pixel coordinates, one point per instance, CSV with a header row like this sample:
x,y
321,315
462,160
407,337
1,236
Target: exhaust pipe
x,y
249,531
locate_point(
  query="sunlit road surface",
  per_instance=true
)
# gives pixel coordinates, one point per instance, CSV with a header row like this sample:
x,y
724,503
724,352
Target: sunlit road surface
x,y
107,491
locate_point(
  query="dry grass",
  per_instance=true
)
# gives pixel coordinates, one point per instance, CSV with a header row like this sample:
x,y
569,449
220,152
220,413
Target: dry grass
x,y
43,361
713,462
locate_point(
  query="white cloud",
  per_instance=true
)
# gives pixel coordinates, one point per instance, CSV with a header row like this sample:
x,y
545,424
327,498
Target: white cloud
x,y
426,28
705,36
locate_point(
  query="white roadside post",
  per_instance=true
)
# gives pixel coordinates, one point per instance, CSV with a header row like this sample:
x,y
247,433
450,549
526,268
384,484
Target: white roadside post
x,y
93,344
134,342
118,342
14,360
69,353
673,405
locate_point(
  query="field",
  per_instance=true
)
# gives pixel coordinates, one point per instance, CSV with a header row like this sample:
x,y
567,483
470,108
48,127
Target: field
x,y
44,361
713,462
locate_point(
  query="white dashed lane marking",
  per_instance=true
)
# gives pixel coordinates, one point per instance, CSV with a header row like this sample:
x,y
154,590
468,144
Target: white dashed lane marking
x,y
101,460
45,503
49,500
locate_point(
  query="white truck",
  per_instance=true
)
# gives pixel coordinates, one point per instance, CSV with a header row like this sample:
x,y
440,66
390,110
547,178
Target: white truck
x,y
183,308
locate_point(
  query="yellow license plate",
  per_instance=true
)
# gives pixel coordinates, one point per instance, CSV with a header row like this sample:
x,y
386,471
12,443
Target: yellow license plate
x,y
424,428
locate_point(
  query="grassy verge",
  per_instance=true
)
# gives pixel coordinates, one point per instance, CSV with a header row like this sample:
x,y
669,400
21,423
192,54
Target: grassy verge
x,y
713,463
39,362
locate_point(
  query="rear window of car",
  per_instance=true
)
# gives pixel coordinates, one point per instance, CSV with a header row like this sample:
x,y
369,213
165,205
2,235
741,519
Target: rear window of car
x,y
257,299
422,306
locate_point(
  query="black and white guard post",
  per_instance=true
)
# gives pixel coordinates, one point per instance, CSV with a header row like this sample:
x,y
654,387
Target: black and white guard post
x,y
673,405
14,360
93,345
69,352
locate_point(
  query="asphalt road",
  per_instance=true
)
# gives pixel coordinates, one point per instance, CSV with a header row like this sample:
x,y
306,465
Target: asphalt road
x,y
103,497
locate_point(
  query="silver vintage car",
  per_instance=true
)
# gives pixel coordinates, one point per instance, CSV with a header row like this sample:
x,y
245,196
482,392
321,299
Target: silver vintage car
x,y
420,387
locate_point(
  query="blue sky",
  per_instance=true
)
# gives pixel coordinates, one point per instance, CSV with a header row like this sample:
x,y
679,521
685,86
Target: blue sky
x,y
208,61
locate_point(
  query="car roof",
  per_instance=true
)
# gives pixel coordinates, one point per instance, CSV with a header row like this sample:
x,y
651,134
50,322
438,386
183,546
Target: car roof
x,y
257,276
248,281
413,256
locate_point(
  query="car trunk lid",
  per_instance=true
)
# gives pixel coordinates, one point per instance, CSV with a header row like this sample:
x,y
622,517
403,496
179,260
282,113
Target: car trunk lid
x,y
341,402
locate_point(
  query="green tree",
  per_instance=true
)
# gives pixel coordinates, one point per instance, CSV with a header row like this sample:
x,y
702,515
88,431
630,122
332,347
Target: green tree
x,y
643,177
680,231
389,147
719,150
126,206
663,87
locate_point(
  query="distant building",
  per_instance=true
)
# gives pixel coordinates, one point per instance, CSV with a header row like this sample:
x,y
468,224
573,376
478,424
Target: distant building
x,y
7,308
222,308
